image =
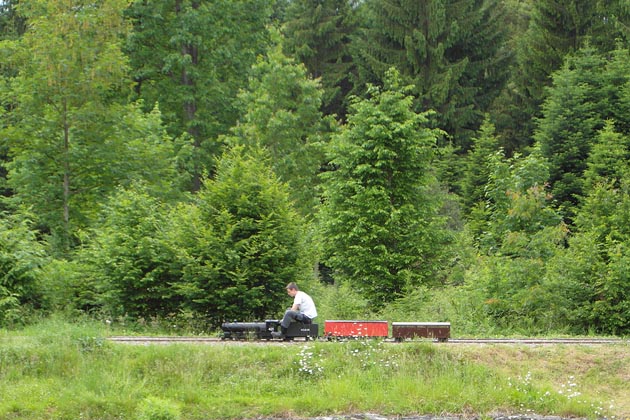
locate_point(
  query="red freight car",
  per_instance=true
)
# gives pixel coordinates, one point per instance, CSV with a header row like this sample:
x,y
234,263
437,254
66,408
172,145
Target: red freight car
x,y
438,330
356,329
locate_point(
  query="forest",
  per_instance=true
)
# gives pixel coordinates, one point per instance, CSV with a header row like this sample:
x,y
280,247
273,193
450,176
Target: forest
x,y
181,161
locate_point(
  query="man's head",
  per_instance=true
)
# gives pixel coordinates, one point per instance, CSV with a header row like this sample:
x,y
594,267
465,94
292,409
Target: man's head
x,y
292,289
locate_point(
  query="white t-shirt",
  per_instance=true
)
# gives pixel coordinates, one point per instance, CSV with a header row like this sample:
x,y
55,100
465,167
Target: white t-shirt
x,y
305,304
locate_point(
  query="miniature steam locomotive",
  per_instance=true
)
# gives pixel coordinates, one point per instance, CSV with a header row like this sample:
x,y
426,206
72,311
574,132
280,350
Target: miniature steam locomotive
x,y
263,330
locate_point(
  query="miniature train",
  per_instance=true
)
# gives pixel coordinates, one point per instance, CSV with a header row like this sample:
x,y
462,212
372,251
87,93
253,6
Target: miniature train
x,y
338,329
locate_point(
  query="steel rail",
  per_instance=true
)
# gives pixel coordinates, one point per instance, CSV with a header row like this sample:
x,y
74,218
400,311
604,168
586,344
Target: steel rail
x,y
526,341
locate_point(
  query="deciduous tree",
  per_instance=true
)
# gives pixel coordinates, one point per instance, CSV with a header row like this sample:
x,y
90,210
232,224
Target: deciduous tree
x,y
282,114
71,137
191,57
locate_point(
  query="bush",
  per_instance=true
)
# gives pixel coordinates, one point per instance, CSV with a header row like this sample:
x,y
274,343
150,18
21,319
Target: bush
x,y
21,257
154,408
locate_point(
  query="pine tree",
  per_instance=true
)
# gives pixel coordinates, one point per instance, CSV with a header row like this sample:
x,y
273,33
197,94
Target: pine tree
x,y
379,224
451,51
558,28
318,34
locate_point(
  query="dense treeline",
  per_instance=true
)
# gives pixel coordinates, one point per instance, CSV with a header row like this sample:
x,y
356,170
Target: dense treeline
x,y
461,160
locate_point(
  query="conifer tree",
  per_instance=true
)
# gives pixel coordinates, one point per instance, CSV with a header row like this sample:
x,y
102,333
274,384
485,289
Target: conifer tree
x,y
451,51
596,262
318,34
241,242
558,28
379,223
478,170
21,258
608,160
590,89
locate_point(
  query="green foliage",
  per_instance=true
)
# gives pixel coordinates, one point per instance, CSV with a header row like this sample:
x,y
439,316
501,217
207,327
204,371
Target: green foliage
x,y
318,34
518,231
463,306
133,265
282,115
21,258
99,169
570,279
154,408
70,141
596,261
516,201
11,24
573,113
608,160
241,243
477,173
451,52
341,301
558,28
379,223
225,255
192,58
69,287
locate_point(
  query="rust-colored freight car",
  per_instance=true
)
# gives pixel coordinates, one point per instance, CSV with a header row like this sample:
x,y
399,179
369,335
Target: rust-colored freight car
x,y
410,330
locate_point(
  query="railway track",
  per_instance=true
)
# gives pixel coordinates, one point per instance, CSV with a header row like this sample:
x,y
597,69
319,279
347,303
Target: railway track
x,y
146,340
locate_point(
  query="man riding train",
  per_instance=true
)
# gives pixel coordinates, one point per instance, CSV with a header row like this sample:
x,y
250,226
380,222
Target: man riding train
x,y
303,310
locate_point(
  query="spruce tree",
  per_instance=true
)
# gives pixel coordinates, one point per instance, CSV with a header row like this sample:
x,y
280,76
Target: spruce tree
x,y
590,89
241,242
608,160
380,228
558,28
318,34
485,144
451,51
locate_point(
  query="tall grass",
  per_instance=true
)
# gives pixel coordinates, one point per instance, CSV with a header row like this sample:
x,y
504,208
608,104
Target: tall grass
x,y
67,371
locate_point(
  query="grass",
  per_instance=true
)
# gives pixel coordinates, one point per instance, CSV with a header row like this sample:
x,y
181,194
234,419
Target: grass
x,y
58,370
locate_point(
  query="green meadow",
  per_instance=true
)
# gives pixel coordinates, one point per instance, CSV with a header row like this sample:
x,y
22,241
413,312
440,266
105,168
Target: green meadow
x,y
60,370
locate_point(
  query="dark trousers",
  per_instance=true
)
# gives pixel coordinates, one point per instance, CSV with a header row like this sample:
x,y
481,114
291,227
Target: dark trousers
x,y
290,316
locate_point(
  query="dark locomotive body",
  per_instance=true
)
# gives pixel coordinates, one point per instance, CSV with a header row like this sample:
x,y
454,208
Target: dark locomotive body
x,y
263,330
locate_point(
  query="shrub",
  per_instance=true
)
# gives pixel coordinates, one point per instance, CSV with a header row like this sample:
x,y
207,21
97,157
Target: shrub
x,y
154,408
